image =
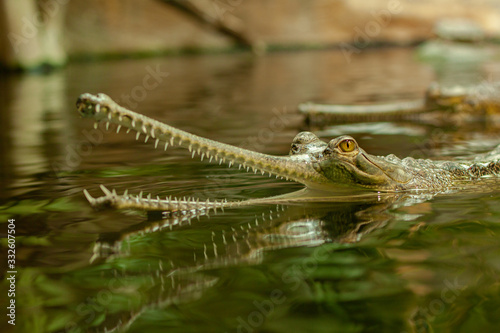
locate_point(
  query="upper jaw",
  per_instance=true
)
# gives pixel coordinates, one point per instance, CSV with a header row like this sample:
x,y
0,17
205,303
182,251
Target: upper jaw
x,y
102,108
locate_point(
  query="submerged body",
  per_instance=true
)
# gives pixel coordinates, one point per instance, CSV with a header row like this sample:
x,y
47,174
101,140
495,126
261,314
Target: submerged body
x,y
479,100
316,164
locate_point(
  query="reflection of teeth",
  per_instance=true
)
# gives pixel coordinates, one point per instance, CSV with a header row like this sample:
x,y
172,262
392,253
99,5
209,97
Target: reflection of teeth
x,y
118,128
156,143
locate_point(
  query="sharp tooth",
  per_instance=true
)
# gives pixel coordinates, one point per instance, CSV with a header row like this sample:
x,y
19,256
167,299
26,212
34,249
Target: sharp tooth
x,y
125,193
190,148
239,166
255,171
156,143
153,133
118,128
248,168
202,156
107,126
144,129
88,196
149,196
172,140
137,135
140,195
192,155
221,160
230,163
97,108
262,172
128,130
133,123
147,138
166,145
105,190
96,124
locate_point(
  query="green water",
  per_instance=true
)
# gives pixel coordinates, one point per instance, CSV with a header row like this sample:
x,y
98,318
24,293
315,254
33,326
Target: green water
x,y
371,263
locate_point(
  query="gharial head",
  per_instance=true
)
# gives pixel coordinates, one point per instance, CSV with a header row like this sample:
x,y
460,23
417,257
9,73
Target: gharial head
x,y
342,161
313,162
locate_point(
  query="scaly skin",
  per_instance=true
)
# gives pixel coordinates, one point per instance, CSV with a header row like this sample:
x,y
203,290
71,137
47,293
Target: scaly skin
x,y
312,162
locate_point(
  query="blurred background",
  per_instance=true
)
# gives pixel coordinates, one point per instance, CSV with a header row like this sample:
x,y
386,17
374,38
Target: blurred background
x,y
55,31
231,70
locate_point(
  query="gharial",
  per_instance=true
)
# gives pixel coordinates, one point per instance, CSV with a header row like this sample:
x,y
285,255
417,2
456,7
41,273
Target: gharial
x,y
470,101
320,166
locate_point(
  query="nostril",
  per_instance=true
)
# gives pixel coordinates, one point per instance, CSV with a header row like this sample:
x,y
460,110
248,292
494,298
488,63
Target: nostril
x,y
85,108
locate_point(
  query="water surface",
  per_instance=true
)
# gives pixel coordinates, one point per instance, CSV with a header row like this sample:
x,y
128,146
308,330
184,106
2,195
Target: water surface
x,y
369,263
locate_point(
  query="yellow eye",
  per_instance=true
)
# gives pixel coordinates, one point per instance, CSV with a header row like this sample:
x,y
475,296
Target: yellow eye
x,y
347,145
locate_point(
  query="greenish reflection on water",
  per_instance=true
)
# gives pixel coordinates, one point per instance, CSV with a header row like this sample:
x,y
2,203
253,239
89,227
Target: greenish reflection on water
x,y
390,263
